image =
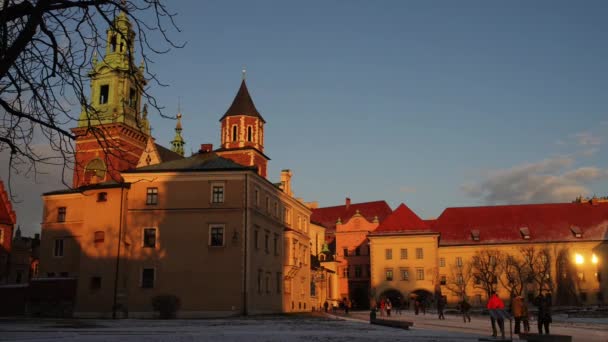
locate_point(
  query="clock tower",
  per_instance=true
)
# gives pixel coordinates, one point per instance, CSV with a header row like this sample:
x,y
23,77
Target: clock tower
x,y
112,129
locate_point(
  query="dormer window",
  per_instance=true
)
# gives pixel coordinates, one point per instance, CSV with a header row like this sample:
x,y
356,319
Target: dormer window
x,y
576,231
525,233
102,196
475,234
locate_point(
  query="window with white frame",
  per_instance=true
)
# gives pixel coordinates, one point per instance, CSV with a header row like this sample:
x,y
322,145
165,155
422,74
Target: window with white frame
x,y
58,250
216,235
217,193
389,274
441,262
151,196
147,278
405,274
149,238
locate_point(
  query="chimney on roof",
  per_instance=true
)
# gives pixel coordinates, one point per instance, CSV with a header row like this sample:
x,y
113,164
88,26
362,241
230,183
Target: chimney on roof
x,y
347,203
206,148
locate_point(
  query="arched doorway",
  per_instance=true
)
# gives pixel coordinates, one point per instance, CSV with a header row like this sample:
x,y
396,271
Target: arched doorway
x,y
425,297
394,296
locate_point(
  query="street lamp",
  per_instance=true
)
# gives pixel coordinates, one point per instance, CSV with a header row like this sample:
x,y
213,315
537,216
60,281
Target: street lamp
x,y
578,259
594,259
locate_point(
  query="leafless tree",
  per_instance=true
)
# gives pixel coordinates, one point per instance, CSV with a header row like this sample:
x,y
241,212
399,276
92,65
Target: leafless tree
x,y
538,261
459,279
516,274
487,266
47,47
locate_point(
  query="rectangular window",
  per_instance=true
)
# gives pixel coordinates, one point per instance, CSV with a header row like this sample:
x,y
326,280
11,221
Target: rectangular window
x,y
147,278
259,281
420,274
443,280
459,261
104,92
149,238
419,253
276,209
276,244
266,243
256,236
279,282
152,196
216,236
61,213
267,282
345,272
95,283
58,250
459,279
267,204
357,271
257,197
405,274
102,197
403,253
99,236
357,251
441,262
345,251
389,274
388,254
217,194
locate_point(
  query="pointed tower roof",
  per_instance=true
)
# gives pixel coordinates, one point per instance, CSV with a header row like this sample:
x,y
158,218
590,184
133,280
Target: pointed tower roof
x,y
243,105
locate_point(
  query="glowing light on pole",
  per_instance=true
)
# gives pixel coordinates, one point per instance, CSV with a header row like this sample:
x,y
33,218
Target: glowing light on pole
x,y
578,259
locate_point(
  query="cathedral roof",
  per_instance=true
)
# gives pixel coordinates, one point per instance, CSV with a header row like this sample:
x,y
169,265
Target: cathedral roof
x,y
198,162
242,105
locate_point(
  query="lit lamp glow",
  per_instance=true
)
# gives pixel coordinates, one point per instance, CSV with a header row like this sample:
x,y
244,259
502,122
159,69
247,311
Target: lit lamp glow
x,y
578,259
594,259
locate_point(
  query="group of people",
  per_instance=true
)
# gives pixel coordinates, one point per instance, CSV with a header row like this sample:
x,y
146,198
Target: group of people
x,y
344,305
519,310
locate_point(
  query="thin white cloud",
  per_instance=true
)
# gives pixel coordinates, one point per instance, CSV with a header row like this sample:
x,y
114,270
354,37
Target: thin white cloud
x,y
587,139
548,180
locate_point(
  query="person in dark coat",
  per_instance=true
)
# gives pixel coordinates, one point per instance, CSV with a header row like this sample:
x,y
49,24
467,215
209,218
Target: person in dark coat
x,y
441,307
543,303
465,307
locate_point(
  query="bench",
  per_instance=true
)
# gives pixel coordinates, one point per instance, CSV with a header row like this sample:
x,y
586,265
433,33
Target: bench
x,y
545,338
393,324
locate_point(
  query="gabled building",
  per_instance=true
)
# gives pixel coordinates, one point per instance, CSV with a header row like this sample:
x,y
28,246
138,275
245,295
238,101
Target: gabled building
x,y
562,247
346,237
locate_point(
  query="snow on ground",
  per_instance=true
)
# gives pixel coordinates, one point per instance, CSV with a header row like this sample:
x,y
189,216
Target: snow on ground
x,y
303,327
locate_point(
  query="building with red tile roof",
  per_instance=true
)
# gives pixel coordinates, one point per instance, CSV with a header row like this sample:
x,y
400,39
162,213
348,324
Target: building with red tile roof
x,y
413,257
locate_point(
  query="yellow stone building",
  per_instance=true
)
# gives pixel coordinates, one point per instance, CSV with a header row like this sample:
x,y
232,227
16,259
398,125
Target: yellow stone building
x,y
559,248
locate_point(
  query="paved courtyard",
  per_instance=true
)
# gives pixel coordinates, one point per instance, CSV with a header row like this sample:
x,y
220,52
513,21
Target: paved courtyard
x,y
266,328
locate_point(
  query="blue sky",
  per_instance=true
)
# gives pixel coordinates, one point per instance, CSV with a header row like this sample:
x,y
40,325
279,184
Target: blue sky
x,y
430,103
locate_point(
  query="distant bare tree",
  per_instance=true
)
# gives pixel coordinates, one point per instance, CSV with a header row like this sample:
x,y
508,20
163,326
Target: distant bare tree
x,y
46,50
461,276
538,261
487,266
516,274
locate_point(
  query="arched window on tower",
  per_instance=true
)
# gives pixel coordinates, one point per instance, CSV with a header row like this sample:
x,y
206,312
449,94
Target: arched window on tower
x,y
249,134
234,133
113,42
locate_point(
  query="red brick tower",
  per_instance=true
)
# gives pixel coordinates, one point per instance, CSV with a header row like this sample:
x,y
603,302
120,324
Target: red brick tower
x,y
112,131
242,132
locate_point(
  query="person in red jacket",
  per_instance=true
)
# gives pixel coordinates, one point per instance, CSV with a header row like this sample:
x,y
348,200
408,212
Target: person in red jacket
x,y
496,309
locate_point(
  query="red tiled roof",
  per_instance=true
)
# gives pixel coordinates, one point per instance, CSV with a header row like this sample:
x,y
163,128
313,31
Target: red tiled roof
x,y
403,219
328,216
502,224
7,215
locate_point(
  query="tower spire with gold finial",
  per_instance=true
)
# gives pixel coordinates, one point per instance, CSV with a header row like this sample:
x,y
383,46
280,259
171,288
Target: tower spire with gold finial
x,y
177,145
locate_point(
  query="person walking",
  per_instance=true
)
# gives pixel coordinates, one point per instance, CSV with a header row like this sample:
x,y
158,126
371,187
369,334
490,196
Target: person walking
x,y
325,306
416,306
382,306
525,316
389,306
544,312
441,302
517,312
465,307
496,308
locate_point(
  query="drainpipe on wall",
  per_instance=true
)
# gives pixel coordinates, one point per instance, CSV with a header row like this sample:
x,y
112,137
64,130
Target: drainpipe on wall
x,y
245,239
118,252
